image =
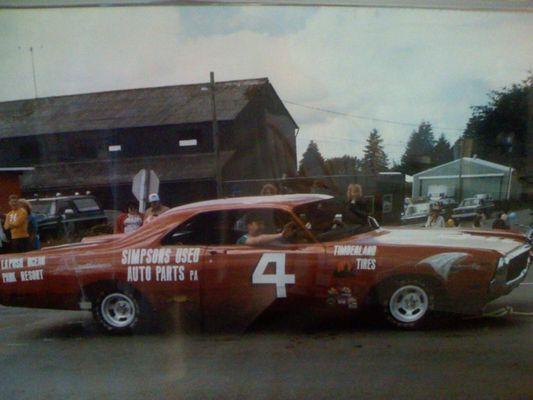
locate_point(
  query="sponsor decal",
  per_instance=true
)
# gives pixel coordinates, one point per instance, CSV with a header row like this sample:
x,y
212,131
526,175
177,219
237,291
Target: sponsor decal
x,y
355,250
159,265
346,269
341,296
22,265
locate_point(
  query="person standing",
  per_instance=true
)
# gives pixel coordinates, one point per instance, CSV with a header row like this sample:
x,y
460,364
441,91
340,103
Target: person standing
x,y
4,241
33,226
17,224
155,209
435,220
130,220
501,222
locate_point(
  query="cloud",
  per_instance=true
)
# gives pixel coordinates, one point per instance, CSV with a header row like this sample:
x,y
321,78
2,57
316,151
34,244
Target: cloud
x,y
401,65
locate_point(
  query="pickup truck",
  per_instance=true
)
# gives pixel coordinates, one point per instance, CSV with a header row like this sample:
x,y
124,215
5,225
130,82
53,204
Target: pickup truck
x,y
66,216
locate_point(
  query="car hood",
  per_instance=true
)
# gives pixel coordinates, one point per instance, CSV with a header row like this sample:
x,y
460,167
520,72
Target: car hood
x,y
453,238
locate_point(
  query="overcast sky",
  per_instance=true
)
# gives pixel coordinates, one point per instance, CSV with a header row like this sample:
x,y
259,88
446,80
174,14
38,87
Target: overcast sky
x,y
385,64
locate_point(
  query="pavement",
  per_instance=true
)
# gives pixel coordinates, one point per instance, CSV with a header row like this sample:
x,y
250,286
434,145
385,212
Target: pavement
x,y
46,354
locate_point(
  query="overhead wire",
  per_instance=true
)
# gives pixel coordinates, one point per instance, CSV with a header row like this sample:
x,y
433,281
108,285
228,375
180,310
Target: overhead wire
x,y
380,120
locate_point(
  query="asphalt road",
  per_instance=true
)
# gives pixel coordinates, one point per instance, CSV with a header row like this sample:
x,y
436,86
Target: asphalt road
x,y
62,355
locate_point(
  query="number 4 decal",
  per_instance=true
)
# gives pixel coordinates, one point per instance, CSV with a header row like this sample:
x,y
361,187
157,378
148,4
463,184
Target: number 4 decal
x,y
280,279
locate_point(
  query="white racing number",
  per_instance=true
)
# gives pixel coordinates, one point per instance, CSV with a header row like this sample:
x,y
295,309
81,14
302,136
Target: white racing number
x,y
280,278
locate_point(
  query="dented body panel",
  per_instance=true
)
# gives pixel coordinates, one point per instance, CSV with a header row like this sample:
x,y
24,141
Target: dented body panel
x,y
232,284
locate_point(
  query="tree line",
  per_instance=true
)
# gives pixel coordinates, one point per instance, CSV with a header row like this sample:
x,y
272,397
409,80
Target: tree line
x,y
499,131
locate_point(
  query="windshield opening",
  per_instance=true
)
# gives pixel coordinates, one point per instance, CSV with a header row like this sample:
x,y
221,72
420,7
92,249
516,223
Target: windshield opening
x,y
41,207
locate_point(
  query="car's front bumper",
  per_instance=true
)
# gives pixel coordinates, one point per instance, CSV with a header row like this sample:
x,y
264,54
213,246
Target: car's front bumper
x,y
511,272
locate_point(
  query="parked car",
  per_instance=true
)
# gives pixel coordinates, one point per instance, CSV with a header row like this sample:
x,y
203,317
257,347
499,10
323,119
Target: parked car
x,y
447,202
484,196
69,216
415,213
468,209
189,258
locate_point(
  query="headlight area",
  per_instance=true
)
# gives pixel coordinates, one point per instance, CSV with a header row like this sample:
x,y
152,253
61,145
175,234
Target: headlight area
x,y
510,271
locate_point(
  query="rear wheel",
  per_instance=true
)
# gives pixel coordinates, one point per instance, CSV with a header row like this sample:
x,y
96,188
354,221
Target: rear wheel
x,y
408,303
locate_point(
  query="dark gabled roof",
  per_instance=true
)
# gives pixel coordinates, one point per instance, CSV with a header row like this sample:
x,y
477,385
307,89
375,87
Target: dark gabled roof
x,y
126,108
88,174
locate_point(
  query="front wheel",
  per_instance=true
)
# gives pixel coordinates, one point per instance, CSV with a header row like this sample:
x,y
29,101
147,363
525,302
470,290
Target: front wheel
x,y
117,311
408,303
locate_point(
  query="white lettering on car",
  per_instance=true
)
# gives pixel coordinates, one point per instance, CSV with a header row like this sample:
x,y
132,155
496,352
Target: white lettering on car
x,y
160,256
162,273
280,278
9,277
33,275
355,250
366,263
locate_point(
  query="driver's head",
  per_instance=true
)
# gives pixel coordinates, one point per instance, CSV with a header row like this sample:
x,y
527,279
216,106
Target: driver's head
x,y
255,223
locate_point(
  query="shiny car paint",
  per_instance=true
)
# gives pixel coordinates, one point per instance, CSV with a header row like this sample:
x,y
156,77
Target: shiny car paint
x,y
216,282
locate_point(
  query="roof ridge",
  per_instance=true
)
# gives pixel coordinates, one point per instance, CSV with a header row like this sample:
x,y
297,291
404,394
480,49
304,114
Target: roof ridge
x,y
262,80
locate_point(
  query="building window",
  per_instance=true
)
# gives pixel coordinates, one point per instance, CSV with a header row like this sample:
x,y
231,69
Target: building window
x,y
188,142
29,151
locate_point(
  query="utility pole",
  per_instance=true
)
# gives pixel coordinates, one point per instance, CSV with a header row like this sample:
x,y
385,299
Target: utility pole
x,y
33,71
216,144
461,144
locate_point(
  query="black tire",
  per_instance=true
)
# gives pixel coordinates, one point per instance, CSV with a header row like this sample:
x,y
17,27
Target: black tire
x,y
119,310
407,303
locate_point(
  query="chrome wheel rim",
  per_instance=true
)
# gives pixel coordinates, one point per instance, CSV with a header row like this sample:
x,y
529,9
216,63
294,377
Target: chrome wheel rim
x,y
408,303
118,310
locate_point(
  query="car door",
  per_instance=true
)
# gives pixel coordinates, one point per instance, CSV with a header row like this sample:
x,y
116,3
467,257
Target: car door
x,y
239,282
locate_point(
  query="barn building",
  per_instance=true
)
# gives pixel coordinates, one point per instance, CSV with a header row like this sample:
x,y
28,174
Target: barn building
x,y
98,141
10,184
466,177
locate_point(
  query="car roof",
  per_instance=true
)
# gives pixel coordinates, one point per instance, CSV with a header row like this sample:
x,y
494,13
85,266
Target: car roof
x,y
291,200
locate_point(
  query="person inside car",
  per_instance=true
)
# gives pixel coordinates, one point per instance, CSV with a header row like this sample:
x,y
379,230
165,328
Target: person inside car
x,y
356,208
255,226
269,190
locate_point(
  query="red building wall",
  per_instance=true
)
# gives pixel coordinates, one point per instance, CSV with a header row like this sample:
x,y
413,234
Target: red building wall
x,y
9,184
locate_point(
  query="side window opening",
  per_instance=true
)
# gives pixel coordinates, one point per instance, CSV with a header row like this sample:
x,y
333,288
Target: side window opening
x,y
222,227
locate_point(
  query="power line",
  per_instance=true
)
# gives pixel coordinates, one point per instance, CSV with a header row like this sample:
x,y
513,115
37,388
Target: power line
x,y
387,121
335,139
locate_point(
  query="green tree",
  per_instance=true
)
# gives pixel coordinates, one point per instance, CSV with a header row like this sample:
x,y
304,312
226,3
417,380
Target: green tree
x,y
374,160
500,128
442,152
419,150
345,165
312,162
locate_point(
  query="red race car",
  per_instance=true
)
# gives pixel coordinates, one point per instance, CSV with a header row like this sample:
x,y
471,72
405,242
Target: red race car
x,y
226,261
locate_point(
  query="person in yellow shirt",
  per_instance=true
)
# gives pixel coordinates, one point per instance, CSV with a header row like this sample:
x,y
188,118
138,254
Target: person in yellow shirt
x,y
17,224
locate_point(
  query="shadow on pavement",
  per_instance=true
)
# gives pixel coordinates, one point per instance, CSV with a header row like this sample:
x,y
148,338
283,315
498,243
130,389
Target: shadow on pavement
x,y
273,322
